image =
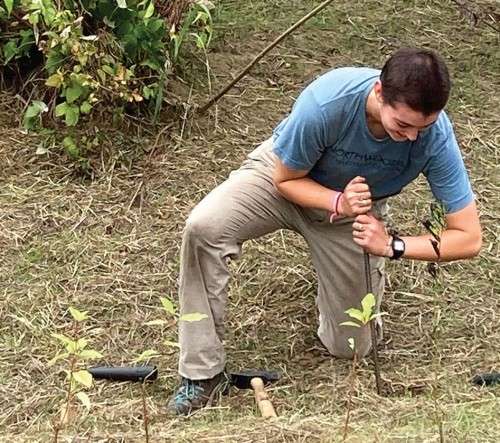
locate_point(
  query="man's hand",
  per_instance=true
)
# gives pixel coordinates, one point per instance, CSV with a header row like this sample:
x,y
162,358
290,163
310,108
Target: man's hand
x,y
356,199
370,233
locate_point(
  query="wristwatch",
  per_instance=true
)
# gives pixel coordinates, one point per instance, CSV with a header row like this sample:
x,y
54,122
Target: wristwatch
x,y
398,247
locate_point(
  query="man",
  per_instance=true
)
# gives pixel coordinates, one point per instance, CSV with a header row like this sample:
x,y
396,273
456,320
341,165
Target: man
x,y
355,137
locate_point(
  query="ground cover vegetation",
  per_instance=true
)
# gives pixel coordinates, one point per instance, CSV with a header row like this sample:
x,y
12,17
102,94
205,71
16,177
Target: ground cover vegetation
x,y
108,245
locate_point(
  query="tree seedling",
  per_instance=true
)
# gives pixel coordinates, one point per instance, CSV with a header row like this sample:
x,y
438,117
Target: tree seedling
x,y
75,353
170,309
435,226
363,317
144,357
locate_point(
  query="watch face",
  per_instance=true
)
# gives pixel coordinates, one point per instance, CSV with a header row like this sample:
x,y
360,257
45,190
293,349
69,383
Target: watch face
x,y
399,245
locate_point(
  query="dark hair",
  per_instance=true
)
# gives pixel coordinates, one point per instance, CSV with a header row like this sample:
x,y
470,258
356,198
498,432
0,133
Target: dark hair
x,y
418,78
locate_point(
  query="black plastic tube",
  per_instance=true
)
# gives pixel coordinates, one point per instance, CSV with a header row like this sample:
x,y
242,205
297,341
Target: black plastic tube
x,y
125,373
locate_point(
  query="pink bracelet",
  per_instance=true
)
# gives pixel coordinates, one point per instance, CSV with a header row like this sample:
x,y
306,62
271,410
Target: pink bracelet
x,y
335,206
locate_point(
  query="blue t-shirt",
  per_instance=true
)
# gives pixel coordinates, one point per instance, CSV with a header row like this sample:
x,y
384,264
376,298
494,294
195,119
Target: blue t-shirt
x,y
327,134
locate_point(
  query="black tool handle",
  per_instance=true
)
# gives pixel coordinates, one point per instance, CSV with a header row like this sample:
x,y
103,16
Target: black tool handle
x,y
125,373
487,379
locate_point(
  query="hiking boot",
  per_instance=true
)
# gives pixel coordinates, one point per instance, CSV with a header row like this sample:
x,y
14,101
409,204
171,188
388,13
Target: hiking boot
x,y
196,394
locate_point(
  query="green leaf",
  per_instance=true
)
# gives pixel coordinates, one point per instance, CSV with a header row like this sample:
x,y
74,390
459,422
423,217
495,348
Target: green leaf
x,y
35,109
81,344
72,115
108,69
83,377
9,4
57,358
89,354
72,150
85,107
62,338
102,75
55,80
356,314
84,399
69,344
33,18
10,50
368,303
146,355
70,112
195,316
33,113
73,92
149,10
75,313
350,323
156,24
151,64
167,305
121,3
438,214
55,59
61,109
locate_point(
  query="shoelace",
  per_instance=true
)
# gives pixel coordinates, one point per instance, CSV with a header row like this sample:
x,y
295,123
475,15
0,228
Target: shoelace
x,y
188,392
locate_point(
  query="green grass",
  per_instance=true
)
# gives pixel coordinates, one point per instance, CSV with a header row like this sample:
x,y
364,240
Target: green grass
x,y
110,245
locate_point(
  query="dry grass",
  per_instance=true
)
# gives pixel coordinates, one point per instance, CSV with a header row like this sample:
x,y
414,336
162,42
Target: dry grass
x,y
110,246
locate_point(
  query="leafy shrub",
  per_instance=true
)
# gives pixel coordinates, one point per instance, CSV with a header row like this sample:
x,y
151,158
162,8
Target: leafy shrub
x,y
95,53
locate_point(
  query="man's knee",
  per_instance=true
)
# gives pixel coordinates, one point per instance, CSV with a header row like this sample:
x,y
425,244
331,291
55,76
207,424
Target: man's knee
x,y
346,352
201,226
343,347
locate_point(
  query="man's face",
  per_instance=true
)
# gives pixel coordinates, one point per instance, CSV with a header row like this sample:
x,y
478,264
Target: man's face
x,y
403,123
400,121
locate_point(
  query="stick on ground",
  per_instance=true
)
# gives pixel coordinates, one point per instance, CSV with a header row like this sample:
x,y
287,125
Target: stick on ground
x,y
245,71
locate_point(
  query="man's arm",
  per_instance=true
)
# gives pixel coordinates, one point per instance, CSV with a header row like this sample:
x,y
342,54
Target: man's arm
x,y
461,239
300,189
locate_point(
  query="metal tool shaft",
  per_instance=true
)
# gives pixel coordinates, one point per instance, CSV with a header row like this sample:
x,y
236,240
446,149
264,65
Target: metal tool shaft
x,y
373,327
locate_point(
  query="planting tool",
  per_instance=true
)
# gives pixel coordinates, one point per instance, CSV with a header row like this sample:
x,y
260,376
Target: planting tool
x,y
486,379
257,380
373,328
125,373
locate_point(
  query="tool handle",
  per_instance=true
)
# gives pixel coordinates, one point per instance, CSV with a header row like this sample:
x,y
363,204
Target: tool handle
x,y
130,373
262,399
486,379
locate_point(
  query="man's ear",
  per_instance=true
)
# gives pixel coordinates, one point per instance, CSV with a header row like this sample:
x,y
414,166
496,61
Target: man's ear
x,y
377,88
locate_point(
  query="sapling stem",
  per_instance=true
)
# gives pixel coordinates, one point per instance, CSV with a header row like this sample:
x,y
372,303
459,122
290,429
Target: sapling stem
x,y
69,390
435,226
349,395
145,417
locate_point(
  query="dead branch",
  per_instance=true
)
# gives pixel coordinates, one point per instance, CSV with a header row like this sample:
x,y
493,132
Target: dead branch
x,y
245,71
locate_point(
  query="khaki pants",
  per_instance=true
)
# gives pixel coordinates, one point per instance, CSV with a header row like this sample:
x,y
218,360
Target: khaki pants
x,y
247,206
